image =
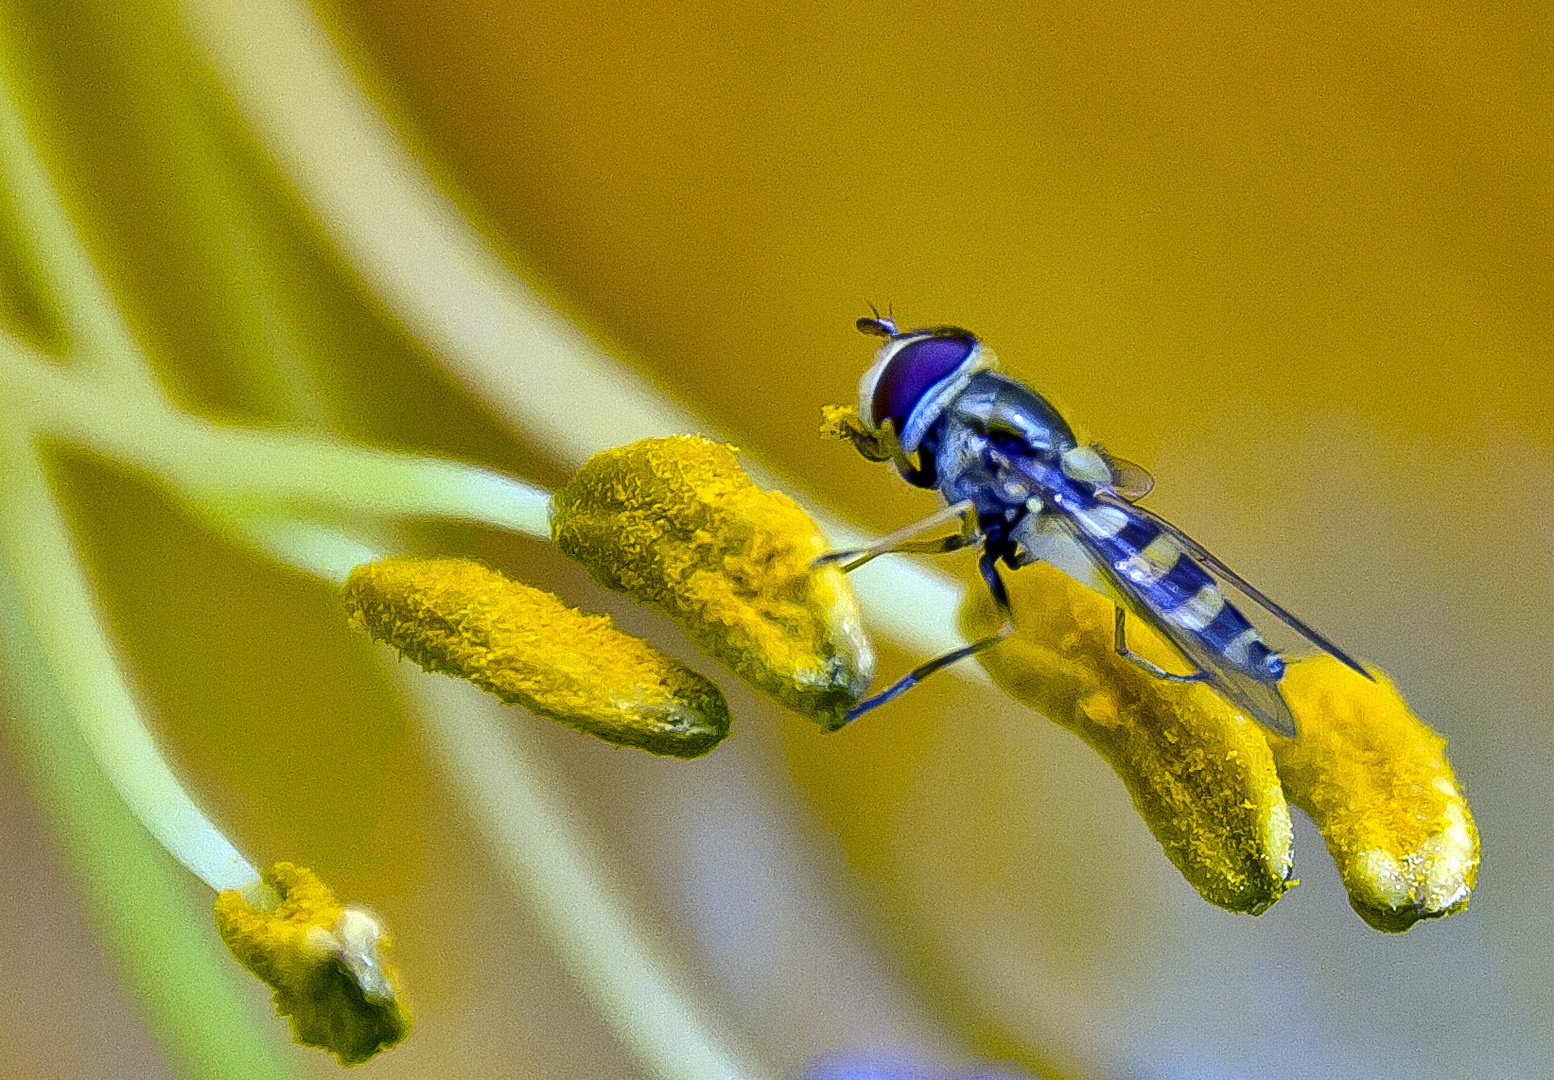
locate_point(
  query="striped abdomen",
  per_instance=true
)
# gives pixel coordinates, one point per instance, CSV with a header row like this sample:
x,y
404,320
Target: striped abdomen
x,y
1155,571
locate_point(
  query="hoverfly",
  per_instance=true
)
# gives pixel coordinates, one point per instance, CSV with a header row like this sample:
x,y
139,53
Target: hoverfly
x,y
1022,488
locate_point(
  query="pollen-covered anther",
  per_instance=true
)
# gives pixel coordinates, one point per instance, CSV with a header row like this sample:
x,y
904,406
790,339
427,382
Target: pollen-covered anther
x,y
525,646
1199,770
323,960
1377,782
675,523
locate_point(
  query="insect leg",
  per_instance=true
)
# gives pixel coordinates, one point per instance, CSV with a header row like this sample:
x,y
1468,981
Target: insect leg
x,y
901,539
988,565
1154,669
953,542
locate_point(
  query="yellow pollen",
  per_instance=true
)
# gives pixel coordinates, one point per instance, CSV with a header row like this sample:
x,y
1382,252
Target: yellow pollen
x,y
323,960
1377,782
1211,783
1200,772
529,649
676,524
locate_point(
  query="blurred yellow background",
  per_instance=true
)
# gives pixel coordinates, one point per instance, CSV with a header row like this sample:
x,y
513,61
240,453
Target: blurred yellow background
x,y
1146,209
1296,261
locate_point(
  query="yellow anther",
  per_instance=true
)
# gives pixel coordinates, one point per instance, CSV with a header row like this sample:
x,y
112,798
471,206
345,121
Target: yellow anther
x,y
529,649
1371,774
1199,770
323,960
1377,782
677,524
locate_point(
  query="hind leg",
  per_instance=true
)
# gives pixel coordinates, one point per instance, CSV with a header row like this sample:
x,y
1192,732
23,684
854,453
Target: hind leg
x,y
1154,669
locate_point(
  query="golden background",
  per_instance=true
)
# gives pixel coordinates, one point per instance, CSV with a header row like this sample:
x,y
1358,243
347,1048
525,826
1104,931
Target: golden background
x,y
1296,261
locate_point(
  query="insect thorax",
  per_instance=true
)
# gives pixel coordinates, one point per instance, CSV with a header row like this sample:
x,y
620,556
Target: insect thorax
x,y
993,422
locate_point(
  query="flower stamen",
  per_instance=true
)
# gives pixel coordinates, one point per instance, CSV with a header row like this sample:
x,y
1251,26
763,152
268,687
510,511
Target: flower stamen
x,y
1377,782
678,525
1211,783
323,960
1199,770
525,646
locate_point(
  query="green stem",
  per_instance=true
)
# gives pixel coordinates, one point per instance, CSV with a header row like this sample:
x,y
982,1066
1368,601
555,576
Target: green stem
x,y
188,988
233,471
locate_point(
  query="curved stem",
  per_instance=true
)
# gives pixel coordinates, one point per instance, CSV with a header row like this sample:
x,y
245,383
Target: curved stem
x,y
36,545
154,926
460,297
231,470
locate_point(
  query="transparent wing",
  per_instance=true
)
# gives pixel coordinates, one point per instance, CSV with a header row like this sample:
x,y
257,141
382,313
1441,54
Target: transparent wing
x,y
1214,566
1129,479
1261,699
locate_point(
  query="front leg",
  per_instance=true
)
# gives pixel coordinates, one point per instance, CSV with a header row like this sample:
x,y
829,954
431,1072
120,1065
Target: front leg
x,y
901,540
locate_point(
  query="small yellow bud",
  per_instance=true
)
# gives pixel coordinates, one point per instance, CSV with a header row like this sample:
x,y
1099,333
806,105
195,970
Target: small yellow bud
x,y
1200,772
529,649
1376,781
676,523
323,960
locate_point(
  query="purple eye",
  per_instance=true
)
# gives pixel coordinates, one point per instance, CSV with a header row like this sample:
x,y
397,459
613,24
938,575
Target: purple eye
x,y
914,370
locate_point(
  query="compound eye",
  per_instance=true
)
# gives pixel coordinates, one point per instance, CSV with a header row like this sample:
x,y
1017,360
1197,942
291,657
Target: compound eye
x,y
914,370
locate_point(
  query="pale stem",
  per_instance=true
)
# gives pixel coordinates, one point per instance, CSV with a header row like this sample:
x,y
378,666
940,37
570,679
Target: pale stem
x,y
51,582
283,493
538,849
319,551
543,856
230,471
392,222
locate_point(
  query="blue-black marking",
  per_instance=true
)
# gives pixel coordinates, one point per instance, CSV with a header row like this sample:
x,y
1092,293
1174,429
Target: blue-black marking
x,y
1176,587
1137,533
